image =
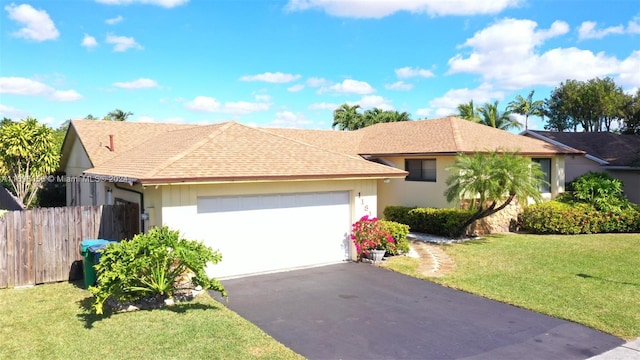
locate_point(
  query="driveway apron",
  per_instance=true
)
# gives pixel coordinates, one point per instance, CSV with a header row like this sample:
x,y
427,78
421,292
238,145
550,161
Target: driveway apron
x,y
359,311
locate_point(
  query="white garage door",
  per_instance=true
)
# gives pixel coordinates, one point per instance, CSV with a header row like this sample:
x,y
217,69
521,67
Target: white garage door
x,y
275,232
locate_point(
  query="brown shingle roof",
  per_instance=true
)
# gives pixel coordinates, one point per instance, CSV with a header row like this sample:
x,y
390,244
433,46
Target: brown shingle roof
x,y
448,135
615,149
231,151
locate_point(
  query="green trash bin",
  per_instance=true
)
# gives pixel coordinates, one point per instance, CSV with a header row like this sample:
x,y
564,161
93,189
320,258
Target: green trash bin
x,y
88,261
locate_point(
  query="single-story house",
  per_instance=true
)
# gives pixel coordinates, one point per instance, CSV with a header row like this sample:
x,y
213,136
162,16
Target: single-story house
x,y
273,199
616,154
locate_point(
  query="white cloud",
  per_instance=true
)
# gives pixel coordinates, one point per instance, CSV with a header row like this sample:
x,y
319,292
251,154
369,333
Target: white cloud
x,y
142,83
28,87
633,27
114,20
38,25
349,86
203,104
379,9
323,106
123,43
448,103
163,3
317,82
209,104
295,88
371,101
89,41
630,70
288,119
423,113
263,97
269,77
399,85
507,55
588,30
11,112
65,95
409,72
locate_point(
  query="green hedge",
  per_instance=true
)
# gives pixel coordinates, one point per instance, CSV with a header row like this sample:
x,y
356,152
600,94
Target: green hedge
x,y
442,222
399,233
560,218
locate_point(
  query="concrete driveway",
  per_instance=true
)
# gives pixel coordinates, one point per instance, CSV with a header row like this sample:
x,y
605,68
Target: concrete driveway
x,y
358,311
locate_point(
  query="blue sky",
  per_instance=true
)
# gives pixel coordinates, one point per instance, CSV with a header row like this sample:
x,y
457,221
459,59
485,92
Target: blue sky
x,y
290,63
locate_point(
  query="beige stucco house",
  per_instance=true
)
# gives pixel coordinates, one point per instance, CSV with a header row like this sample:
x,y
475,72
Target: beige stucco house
x,y
273,199
616,154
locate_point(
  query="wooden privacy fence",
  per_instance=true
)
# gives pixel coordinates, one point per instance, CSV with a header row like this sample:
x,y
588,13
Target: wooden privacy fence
x,y
42,245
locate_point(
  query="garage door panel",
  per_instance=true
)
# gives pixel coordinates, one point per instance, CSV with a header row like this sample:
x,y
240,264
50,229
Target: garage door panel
x,y
275,232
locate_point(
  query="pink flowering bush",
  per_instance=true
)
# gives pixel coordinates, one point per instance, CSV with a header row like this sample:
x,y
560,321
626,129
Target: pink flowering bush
x,y
368,234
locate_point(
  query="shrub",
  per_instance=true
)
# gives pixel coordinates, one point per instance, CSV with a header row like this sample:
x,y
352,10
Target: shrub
x,y
443,222
368,234
600,190
399,234
150,265
556,217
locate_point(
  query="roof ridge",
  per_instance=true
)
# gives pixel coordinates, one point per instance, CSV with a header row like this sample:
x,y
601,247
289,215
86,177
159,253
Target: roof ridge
x,y
219,129
457,137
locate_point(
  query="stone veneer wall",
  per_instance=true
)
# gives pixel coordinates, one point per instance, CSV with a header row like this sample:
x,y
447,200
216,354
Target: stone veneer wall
x,y
503,221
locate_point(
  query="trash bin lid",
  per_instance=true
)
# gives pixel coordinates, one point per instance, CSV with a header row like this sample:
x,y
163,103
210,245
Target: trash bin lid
x,y
99,246
87,243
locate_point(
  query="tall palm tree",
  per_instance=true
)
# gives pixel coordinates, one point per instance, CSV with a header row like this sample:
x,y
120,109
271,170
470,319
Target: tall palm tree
x,y
118,115
492,181
347,117
491,116
527,107
468,112
396,116
373,116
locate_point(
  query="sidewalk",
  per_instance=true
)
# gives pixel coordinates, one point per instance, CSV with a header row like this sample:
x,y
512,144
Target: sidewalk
x,y
628,351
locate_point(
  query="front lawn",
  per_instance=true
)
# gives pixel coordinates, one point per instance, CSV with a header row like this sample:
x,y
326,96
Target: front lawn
x,y
52,322
590,279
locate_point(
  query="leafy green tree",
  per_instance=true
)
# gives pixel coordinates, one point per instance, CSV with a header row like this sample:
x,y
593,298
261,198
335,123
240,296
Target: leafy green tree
x,y
526,107
631,114
594,105
490,115
468,112
90,117
28,153
491,182
118,115
347,117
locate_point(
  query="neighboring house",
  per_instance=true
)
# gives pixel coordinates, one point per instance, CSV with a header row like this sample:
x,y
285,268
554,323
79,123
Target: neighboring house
x,y
618,155
273,199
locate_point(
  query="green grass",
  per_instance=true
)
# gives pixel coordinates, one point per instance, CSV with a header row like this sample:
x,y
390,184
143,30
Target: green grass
x,y
590,279
53,322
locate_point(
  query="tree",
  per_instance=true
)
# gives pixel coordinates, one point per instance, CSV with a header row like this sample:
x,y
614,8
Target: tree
x,y
468,112
526,107
347,117
491,116
90,117
28,154
492,181
631,114
117,115
594,105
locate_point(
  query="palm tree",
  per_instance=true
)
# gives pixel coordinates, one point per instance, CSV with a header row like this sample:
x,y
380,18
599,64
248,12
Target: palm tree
x,y
492,181
396,116
527,107
118,115
347,117
491,116
468,112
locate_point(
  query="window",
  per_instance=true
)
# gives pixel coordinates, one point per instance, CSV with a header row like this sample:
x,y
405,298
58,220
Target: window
x,y
545,166
421,169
